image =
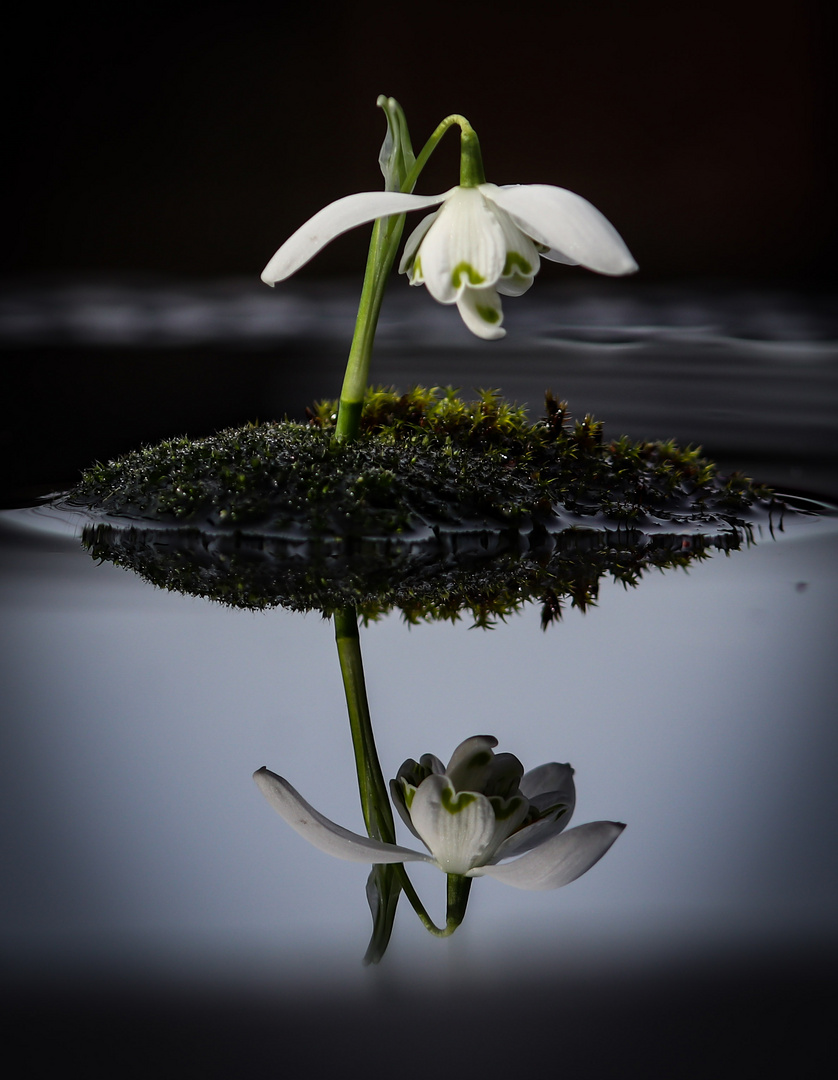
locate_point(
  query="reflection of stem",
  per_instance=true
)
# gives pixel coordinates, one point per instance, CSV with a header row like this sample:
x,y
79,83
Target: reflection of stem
x,y
384,885
375,801
385,881
458,890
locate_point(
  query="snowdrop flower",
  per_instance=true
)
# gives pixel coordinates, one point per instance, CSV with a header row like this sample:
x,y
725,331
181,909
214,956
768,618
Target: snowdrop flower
x,y
480,810
482,243
486,242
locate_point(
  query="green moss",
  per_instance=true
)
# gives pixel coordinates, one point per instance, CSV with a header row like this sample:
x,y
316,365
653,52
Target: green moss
x,y
425,460
441,506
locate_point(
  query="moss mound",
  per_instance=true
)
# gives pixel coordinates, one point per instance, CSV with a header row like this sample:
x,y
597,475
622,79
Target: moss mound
x,y
440,507
426,462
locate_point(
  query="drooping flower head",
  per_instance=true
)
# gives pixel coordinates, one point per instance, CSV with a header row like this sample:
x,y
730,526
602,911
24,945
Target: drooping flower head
x,y
485,242
482,243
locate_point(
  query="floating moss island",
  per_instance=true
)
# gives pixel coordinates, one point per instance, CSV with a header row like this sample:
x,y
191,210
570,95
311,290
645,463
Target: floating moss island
x,y
425,462
432,481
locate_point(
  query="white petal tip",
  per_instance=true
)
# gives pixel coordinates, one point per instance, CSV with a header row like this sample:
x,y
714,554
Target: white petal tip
x,y
337,218
627,266
559,860
482,313
489,333
325,834
572,230
275,270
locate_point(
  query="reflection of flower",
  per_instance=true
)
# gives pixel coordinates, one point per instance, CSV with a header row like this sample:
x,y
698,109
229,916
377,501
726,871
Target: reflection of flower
x,y
483,808
482,241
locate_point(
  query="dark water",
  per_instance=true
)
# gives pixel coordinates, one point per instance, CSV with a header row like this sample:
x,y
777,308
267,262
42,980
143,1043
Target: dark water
x,y
151,892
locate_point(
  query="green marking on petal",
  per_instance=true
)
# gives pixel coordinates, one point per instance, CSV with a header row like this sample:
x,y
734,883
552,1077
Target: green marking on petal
x,y
455,803
487,314
468,270
514,261
505,808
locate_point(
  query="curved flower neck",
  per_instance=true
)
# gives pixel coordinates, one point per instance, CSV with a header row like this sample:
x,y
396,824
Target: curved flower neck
x,y
471,159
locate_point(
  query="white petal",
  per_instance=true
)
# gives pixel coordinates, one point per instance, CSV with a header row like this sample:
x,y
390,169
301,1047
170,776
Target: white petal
x,y
522,259
505,773
334,219
325,834
510,814
407,264
458,827
432,762
544,786
471,762
397,795
560,860
534,835
464,246
556,256
482,313
566,222
513,285
553,782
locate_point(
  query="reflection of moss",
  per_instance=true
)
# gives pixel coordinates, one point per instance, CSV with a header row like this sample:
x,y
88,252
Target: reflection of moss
x,y
426,461
439,506
486,576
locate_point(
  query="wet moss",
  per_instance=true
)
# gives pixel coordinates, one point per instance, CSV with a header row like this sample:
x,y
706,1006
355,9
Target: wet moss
x,y
440,508
425,461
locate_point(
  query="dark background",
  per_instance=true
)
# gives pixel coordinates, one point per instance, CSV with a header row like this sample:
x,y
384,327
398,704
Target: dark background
x,y
192,143
173,148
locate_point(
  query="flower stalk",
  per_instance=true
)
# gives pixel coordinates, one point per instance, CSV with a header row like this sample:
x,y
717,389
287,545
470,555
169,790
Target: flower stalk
x,y
480,243
386,235
401,171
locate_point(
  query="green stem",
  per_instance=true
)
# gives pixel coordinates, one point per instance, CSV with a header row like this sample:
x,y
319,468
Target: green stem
x,y
386,234
468,139
384,243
